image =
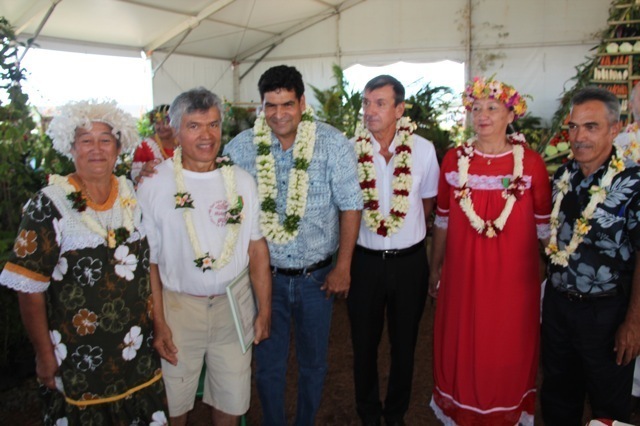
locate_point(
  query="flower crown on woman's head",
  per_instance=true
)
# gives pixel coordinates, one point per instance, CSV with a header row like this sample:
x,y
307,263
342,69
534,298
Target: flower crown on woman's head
x,y
158,114
62,129
481,88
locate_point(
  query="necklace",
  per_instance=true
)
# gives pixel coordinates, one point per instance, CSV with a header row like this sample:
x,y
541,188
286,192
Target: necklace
x,y
303,146
164,153
114,234
513,188
489,156
581,227
234,216
401,184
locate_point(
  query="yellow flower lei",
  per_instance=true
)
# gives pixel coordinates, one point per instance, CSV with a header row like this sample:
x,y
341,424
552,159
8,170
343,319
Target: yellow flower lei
x,y
581,227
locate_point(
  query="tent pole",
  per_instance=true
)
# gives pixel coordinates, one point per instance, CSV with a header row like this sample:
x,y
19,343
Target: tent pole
x,y
273,46
186,33
467,67
39,29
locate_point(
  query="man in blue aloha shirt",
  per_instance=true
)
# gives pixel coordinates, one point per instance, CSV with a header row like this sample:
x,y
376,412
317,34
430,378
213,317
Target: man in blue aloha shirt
x,y
310,204
591,311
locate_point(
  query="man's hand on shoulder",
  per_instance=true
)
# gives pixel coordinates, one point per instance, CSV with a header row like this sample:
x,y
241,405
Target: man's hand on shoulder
x,y
148,170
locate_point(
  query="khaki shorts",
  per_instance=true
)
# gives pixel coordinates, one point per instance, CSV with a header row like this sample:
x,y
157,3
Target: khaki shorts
x,y
203,329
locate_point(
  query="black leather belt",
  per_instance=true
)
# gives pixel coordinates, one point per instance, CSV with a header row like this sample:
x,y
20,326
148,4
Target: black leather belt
x,y
387,254
576,296
301,271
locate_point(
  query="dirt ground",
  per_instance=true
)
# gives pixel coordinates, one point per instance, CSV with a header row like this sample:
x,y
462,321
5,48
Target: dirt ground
x,y
19,406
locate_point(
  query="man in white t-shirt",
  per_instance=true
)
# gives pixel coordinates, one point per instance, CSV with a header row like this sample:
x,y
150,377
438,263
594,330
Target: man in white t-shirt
x,y
201,218
398,173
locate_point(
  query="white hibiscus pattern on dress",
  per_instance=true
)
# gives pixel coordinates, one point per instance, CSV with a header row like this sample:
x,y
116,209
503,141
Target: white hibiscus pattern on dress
x,y
60,269
59,348
132,342
57,228
87,271
87,357
39,208
126,263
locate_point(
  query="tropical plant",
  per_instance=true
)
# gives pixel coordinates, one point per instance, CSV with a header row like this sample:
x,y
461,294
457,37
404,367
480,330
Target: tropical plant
x,y
339,106
17,177
429,108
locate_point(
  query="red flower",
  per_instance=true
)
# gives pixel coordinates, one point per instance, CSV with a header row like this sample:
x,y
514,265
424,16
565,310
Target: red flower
x,y
371,205
382,229
365,158
368,184
403,148
401,192
401,170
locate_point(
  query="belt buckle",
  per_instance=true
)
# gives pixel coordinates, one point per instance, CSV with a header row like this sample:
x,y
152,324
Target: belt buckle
x,y
388,254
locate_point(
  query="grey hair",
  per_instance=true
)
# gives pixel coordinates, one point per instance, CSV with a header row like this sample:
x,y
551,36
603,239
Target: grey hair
x,y
592,93
198,99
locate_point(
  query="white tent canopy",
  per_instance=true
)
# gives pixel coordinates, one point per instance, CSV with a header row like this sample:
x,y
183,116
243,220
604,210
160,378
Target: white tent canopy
x,y
225,45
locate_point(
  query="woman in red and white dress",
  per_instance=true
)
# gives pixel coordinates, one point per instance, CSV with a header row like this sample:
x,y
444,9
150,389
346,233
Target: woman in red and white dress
x,y
157,147
493,205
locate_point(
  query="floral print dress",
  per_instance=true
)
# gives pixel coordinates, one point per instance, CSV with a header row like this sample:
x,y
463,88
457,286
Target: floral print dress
x,y
98,310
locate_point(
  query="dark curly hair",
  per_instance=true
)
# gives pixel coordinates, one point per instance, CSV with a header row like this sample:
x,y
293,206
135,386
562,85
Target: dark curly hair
x,y
281,77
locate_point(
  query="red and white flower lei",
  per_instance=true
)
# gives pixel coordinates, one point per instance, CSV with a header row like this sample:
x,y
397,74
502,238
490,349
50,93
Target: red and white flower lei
x,y
401,184
512,192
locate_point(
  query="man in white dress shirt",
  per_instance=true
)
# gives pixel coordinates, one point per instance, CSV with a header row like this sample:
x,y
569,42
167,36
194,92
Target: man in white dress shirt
x,y
201,218
398,173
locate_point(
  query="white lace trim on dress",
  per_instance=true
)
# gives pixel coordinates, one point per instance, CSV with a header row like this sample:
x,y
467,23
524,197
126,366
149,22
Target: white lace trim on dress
x,y
75,234
21,283
484,182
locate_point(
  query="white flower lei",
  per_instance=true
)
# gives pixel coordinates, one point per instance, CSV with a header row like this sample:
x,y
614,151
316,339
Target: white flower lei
x,y
632,150
511,193
125,200
202,260
581,227
401,184
303,147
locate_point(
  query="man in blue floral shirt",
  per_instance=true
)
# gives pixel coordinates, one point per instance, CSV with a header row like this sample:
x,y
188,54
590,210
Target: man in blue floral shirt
x,y
591,312
310,204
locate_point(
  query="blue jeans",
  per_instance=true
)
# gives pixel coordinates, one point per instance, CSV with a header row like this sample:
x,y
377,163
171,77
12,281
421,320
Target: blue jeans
x,y
298,298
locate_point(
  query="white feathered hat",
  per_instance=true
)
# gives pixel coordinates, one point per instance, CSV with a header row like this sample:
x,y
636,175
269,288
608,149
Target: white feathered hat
x,y
81,114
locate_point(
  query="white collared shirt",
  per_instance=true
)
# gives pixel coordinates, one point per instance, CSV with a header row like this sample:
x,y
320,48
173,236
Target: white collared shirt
x,y
424,173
